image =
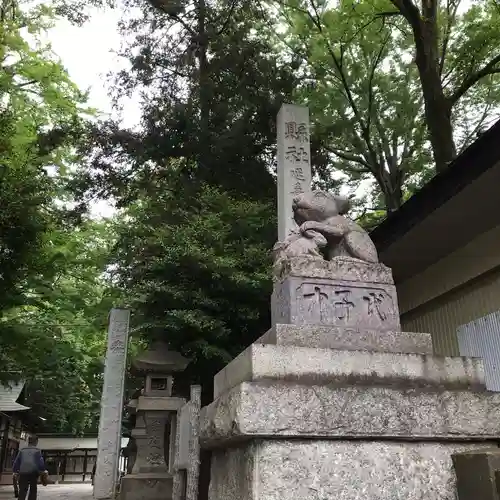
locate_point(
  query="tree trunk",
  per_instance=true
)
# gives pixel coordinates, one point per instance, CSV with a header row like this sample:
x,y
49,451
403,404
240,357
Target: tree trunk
x,y
391,186
203,76
437,106
393,197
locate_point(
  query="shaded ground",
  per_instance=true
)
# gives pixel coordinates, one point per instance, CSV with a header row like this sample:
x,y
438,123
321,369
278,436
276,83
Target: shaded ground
x,y
54,492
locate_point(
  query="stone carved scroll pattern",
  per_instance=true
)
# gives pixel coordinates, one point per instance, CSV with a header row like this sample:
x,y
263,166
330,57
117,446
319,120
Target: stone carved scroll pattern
x,y
109,440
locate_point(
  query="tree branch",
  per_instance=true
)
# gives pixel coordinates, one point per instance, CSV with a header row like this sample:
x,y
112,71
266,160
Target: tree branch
x,y
375,64
385,146
346,155
316,20
226,22
165,7
472,135
451,13
409,10
25,84
487,69
389,13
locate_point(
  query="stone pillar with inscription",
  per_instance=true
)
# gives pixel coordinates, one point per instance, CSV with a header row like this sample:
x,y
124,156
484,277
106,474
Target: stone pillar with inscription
x,y
294,171
294,167
155,430
110,422
335,401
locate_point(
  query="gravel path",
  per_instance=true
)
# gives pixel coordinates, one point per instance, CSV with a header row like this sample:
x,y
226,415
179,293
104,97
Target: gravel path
x,y
54,492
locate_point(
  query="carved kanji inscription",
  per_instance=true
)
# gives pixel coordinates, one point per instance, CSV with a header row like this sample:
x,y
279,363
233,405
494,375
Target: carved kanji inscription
x,y
332,304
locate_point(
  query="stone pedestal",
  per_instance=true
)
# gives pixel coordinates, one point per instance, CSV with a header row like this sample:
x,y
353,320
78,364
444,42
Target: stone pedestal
x,y
353,412
316,469
343,292
154,486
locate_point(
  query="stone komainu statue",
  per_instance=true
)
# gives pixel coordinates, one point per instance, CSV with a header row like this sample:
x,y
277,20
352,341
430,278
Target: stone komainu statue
x,y
324,232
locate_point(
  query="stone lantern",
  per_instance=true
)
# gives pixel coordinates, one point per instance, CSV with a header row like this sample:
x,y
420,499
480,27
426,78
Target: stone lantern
x,y
156,424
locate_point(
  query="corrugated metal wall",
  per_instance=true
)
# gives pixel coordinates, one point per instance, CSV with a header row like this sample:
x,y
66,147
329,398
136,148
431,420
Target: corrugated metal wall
x,y
481,338
443,315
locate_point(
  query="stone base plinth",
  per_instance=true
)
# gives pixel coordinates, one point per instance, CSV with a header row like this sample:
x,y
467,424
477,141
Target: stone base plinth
x,y
340,470
342,292
151,486
274,409
347,339
335,367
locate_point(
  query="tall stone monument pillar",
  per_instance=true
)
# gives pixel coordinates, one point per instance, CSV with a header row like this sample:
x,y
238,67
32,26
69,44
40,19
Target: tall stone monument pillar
x,y
110,422
294,162
335,402
294,170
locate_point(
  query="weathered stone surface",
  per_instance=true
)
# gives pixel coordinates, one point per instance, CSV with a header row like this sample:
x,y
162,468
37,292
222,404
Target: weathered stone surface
x,y
155,403
281,409
328,366
476,471
184,428
156,426
112,405
187,457
152,486
339,268
355,339
158,358
150,437
340,470
336,302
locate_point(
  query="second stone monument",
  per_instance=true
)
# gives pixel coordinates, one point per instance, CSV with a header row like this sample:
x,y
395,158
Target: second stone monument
x,y
155,430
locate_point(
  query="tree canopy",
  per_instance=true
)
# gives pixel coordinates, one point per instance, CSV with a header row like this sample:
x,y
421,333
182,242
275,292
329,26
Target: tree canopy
x,y
380,112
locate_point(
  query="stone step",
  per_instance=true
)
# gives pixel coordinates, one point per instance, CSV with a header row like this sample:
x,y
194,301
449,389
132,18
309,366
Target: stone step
x,y
348,339
285,410
310,366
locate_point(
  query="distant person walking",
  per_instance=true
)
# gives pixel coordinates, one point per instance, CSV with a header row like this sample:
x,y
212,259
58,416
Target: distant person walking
x,y
28,465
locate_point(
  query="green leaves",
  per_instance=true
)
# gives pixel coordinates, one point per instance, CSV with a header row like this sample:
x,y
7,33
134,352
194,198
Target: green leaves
x,y
361,77
59,341
362,91
201,284
52,329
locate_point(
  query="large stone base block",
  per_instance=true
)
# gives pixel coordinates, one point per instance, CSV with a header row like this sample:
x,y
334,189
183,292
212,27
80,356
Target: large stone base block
x,y
281,410
152,486
333,367
340,470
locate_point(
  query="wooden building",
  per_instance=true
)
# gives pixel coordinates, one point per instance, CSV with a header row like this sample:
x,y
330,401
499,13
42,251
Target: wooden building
x,y
14,427
70,459
443,246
